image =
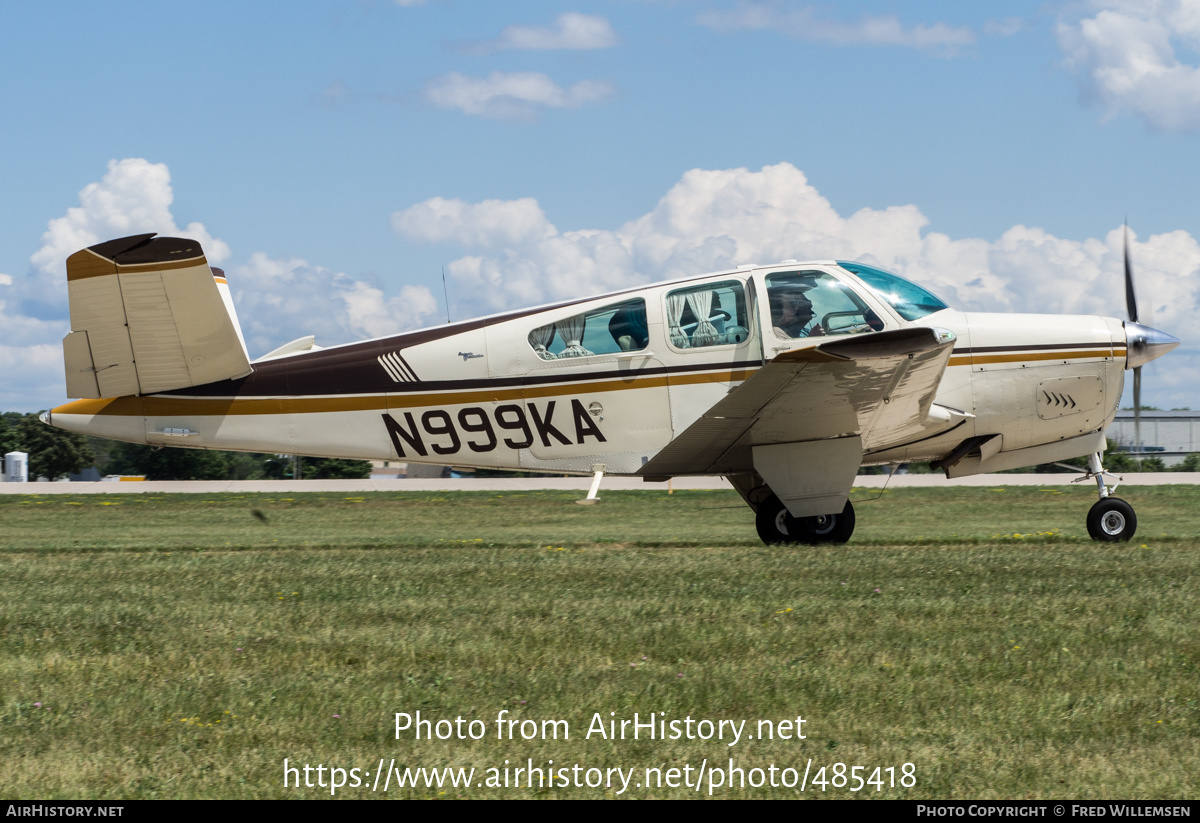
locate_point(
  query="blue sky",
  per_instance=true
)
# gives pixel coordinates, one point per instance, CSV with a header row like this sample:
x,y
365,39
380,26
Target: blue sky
x,y
334,156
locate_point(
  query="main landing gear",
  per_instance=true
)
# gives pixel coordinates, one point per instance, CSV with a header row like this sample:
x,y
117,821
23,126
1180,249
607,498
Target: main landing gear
x,y
775,525
1111,519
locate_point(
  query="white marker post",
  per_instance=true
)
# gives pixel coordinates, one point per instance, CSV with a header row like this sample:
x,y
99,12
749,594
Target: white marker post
x,y
592,499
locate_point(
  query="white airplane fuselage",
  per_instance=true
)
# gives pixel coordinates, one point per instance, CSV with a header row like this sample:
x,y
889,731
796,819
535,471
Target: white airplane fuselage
x,y
484,394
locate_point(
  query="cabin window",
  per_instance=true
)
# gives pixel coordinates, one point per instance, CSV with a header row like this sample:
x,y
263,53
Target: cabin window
x,y
816,304
710,315
617,328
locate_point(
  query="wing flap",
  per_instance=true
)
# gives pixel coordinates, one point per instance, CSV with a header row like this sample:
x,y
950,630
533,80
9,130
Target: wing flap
x,y
154,317
878,388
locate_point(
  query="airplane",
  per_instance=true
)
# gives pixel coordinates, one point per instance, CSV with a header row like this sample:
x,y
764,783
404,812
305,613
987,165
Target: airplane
x,y
783,378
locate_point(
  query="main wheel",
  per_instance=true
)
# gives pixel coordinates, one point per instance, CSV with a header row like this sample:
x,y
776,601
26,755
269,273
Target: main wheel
x,y
828,528
1111,520
774,524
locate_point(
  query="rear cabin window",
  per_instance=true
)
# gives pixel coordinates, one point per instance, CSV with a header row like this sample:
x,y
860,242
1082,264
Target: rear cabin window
x,y
710,315
620,327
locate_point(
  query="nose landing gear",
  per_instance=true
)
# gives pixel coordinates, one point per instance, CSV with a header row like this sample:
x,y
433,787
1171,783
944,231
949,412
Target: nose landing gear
x,y
1111,519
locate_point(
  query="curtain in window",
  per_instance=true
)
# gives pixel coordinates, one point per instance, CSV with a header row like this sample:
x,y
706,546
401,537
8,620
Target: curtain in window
x,y
675,304
540,338
705,333
571,331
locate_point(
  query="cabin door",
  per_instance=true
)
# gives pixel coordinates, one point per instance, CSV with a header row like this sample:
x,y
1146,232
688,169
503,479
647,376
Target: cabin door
x,y
593,389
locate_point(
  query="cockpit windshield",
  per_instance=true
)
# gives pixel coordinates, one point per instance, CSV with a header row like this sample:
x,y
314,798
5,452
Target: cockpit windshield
x,y
908,299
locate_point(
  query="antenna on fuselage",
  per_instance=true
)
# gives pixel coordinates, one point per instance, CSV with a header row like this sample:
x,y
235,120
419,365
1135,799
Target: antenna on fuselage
x,y
446,295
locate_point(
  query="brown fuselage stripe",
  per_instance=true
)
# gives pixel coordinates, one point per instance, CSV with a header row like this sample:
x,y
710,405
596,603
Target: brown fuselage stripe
x,y
1038,347
158,405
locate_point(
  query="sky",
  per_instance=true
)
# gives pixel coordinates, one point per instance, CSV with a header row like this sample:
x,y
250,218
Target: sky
x,y
336,156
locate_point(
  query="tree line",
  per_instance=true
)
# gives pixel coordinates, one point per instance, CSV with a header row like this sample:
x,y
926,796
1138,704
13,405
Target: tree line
x,y
56,454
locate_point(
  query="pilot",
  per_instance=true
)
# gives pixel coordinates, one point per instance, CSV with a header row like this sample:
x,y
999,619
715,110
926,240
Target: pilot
x,y
792,313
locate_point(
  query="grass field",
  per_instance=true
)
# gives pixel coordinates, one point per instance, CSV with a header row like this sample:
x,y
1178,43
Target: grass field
x,y
183,646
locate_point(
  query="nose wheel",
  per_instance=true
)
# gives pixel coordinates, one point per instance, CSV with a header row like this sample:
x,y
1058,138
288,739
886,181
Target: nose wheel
x,y
1111,519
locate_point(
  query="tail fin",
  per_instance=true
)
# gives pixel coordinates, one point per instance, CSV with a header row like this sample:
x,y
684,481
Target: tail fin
x,y
149,315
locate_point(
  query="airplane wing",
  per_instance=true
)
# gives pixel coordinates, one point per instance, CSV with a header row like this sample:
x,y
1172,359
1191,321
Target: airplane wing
x,y
804,420
148,315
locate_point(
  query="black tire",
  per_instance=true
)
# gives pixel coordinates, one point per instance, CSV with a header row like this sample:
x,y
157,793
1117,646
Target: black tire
x,y
774,524
1111,520
828,528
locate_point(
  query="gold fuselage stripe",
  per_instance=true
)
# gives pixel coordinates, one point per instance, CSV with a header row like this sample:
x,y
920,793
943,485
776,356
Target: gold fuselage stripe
x,y
162,405
985,359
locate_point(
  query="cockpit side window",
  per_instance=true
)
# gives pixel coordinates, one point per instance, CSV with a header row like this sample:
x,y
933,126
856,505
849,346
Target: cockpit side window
x,y
816,304
617,328
713,314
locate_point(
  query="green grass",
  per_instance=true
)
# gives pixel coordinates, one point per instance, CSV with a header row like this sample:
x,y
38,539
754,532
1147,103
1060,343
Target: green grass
x,y
180,646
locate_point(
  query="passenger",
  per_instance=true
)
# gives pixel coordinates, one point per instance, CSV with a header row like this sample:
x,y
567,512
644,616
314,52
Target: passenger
x,y
629,328
792,313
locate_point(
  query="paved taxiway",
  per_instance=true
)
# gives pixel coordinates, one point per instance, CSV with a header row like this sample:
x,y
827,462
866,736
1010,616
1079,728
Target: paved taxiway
x,y
872,481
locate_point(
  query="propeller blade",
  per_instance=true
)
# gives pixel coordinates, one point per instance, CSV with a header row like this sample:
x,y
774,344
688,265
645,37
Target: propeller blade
x,y
1130,299
1137,410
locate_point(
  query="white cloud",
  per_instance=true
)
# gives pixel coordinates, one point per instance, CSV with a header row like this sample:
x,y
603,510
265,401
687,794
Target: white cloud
x,y
709,220
490,224
30,355
1127,58
511,96
276,299
1004,28
334,95
712,220
18,328
33,376
134,197
570,31
805,23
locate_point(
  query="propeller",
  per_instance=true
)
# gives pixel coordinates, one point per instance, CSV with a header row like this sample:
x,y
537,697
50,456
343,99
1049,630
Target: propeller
x,y
1131,309
1143,344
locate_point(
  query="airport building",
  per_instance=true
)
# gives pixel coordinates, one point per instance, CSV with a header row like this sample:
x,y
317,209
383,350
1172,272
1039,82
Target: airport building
x,y
1171,435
